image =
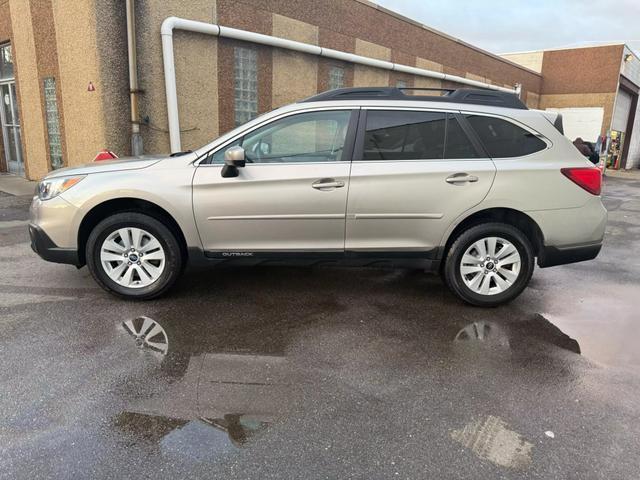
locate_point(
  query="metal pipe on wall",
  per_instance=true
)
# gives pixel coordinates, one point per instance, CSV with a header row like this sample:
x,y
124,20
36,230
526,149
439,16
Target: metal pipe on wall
x,y
172,23
136,138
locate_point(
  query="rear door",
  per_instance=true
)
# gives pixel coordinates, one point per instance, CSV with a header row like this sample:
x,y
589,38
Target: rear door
x,y
290,197
414,172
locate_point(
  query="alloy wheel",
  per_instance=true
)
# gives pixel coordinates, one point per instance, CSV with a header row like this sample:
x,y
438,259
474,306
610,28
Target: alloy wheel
x,y
132,257
490,266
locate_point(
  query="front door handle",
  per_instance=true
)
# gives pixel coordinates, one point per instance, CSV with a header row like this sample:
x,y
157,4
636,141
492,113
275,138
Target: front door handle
x,y
327,184
461,178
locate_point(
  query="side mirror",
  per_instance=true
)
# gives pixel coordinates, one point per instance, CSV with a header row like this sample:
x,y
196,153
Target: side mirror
x,y
234,158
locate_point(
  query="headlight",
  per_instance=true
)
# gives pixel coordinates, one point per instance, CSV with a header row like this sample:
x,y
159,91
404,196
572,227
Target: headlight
x,y
49,188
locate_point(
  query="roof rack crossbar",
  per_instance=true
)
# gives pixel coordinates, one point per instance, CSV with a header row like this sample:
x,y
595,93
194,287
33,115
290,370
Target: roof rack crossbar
x,y
426,89
472,96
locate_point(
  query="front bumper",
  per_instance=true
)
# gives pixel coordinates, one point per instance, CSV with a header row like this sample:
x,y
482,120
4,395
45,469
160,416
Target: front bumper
x,y
552,256
44,246
52,231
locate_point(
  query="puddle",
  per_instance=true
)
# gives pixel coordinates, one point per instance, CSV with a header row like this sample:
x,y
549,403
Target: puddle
x,y
220,401
606,326
197,440
203,404
491,439
201,438
516,335
239,428
539,329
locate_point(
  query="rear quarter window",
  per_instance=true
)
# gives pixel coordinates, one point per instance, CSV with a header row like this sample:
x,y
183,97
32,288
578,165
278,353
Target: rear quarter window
x,y
503,139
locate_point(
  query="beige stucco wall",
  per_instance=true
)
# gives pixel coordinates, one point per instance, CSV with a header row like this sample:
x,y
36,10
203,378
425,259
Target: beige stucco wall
x,y
533,100
75,26
477,78
31,114
196,59
426,82
366,76
531,60
295,75
605,100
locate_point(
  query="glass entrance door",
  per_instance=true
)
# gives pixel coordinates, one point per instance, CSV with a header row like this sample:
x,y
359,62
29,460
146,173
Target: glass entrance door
x,y
10,120
9,115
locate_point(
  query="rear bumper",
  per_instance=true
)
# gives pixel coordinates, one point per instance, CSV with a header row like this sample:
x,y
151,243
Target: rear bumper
x,y
552,256
48,250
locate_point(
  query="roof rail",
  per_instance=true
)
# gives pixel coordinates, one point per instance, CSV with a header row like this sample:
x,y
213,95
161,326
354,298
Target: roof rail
x,y
472,96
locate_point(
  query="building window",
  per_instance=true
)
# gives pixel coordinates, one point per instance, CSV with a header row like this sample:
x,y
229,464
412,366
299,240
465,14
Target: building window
x,y
336,78
6,62
53,122
246,84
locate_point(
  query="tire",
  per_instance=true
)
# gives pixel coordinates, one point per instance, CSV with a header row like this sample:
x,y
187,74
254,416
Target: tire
x,y
142,278
506,278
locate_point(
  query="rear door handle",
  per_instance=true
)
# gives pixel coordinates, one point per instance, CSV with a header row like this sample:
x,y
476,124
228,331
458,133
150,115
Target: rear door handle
x,y
327,183
461,178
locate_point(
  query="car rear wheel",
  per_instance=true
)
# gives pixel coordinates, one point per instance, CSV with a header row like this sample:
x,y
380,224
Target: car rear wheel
x,y
133,255
489,264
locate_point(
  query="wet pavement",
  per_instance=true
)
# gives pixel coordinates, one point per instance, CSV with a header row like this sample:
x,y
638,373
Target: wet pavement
x,y
322,372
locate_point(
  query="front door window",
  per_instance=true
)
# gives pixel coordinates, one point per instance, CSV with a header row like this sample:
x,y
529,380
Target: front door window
x,y
303,138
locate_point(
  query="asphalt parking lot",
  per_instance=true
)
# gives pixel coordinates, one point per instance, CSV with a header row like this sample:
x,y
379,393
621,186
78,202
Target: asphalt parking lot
x,y
322,373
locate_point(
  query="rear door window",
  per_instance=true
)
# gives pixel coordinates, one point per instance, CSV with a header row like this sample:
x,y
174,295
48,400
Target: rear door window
x,y
404,135
503,139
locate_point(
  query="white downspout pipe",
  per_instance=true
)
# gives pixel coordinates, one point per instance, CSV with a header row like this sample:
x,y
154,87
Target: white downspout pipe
x,y
166,32
172,23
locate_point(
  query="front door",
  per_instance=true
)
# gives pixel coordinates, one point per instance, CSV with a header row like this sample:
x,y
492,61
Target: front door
x,y
414,172
9,115
290,197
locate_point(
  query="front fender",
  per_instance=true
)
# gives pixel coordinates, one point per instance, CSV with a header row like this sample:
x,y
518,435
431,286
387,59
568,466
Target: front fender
x,y
169,189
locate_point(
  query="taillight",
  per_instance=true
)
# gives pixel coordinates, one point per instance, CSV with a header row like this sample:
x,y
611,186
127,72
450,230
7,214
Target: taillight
x,y
589,178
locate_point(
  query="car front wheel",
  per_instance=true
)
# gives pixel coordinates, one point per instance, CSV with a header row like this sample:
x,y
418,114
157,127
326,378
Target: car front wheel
x,y
489,264
133,255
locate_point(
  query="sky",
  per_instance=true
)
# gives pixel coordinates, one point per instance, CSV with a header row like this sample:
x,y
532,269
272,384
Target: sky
x,y
519,25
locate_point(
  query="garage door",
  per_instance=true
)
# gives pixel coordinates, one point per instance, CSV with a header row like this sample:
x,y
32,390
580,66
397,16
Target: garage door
x,y
584,122
621,114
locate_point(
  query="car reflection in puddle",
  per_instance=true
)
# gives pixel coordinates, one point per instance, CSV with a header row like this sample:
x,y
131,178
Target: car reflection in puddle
x,y
213,403
483,331
208,401
200,439
147,334
533,331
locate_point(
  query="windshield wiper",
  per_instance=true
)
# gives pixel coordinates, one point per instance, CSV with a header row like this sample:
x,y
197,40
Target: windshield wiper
x,y
179,154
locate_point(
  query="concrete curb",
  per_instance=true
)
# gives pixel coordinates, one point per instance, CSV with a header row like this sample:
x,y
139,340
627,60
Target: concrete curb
x,y
14,185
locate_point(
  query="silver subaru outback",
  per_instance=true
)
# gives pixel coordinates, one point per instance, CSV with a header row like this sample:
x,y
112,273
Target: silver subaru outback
x,y
471,184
